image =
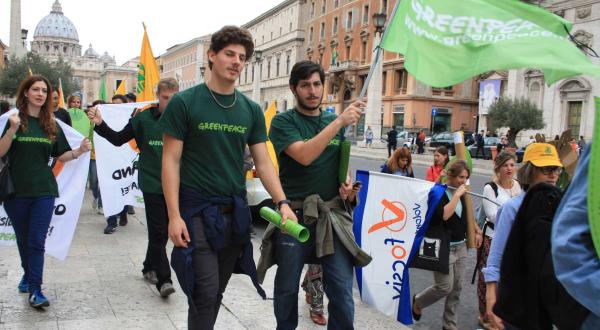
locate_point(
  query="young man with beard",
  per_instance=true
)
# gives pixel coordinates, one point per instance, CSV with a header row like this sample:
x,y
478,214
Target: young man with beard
x,y
59,112
307,143
143,127
206,129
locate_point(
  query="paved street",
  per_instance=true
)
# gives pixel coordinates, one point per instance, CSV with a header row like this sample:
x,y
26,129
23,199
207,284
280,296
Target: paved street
x,y
100,286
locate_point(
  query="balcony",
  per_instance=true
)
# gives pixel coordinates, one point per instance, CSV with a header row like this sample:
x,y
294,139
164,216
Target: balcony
x,y
343,66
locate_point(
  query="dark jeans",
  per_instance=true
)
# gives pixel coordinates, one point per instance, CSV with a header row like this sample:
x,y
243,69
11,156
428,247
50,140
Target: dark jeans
x,y
158,234
31,219
93,178
391,148
291,256
112,220
479,147
211,275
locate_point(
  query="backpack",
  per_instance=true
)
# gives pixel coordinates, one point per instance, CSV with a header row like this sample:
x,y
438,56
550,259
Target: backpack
x,y
481,218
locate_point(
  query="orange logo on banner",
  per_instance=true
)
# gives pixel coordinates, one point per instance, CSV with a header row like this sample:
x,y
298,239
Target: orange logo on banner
x,y
393,217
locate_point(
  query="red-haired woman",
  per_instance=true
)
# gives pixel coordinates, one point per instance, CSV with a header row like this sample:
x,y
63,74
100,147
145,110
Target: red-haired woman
x,y
30,138
399,163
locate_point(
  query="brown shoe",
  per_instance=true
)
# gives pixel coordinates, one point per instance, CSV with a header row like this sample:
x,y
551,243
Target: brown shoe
x,y
318,318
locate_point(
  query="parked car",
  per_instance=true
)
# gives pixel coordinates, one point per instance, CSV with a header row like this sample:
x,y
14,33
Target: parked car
x,y
488,142
406,139
257,195
446,139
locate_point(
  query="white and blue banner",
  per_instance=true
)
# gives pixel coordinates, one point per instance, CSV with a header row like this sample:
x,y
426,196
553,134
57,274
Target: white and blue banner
x,y
389,224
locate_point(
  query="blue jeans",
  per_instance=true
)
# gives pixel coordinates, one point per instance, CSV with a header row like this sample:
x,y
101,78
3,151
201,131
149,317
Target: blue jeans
x,y
93,178
31,219
291,256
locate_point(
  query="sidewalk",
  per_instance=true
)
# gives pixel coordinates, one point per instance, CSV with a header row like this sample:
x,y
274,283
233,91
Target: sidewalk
x,y
480,166
100,286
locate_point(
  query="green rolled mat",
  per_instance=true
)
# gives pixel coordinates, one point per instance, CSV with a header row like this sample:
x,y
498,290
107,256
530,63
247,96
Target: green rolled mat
x,y
293,229
344,161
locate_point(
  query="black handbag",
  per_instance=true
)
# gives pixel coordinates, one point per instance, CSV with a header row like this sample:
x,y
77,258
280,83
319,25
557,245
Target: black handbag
x,y
434,251
7,188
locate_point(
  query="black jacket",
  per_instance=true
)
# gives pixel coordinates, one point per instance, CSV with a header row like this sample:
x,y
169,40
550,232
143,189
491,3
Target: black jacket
x,y
529,295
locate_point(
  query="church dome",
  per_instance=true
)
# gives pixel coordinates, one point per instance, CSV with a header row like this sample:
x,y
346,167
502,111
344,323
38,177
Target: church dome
x,y
56,25
90,52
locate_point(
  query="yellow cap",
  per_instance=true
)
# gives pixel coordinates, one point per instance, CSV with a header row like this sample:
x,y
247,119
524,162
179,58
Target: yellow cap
x,y
541,155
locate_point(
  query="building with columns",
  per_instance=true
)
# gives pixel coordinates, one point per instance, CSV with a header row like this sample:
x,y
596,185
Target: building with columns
x,y
186,62
568,103
279,36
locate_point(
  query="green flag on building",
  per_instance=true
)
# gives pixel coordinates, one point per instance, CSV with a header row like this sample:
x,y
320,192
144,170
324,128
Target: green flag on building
x,y
448,42
594,181
102,93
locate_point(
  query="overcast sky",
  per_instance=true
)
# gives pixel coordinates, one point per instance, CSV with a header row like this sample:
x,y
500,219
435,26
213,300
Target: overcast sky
x,y
115,26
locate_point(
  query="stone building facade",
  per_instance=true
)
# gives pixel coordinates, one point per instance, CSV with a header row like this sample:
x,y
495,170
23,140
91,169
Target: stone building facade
x,y
279,35
185,62
340,36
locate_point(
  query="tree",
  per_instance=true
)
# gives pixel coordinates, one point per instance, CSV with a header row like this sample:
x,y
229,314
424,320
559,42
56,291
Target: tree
x,y
517,115
18,69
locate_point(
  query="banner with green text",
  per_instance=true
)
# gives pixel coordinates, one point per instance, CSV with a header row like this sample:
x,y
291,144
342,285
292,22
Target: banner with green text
x,y
447,42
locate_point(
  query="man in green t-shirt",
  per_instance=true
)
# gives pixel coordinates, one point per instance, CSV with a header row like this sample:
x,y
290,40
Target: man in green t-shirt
x,y
143,127
206,129
307,142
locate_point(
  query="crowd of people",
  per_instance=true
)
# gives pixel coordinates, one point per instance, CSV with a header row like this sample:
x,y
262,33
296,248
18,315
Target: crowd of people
x,y
211,127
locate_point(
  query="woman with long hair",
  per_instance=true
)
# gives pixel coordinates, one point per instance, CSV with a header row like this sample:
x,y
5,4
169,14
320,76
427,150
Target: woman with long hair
x,y
30,138
451,213
440,160
399,163
502,188
540,164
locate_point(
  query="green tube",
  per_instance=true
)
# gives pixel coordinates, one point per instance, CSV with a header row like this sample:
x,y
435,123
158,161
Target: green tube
x,y
344,161
293,229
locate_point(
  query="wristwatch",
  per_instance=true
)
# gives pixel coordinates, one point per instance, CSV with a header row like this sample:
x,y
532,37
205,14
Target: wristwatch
x,y
283,201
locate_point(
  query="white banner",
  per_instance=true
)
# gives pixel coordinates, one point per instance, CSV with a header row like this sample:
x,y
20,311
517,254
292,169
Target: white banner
x,y
71,178
117,166
391,211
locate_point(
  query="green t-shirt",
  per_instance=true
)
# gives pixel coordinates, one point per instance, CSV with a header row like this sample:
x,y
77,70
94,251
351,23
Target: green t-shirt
x,y
320,177
29,156
213,138
148,136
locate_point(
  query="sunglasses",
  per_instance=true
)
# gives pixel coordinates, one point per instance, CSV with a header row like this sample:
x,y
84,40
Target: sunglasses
x,y
547,170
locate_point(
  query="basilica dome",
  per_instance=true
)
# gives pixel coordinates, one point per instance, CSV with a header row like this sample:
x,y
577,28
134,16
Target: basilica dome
x,y
56,25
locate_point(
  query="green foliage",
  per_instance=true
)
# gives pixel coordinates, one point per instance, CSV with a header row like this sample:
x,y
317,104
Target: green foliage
x,y
517,115
18,69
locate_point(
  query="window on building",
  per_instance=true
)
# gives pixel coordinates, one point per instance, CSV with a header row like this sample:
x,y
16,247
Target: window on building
x,y
268,68
363,52
574,117
384,6
290,27
383,82
117,83
252,73
280,31
287,64
365,19
398,117
277,66
400,81
321,58
349,20
534,93
322,34
334,27
271,35
348,52
324,7
312,9
246,75
310,34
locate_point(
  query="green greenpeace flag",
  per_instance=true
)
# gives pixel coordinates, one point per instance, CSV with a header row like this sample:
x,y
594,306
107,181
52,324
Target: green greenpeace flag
x,y
594,182
102,93
448,42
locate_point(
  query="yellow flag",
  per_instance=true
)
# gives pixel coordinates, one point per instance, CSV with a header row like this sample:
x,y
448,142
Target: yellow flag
x,y
30,72
148,75
61,95
121,88
269,114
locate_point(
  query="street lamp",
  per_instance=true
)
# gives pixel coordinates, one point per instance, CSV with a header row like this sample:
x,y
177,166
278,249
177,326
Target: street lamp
x,y
374,108
202,70
24,37
256,89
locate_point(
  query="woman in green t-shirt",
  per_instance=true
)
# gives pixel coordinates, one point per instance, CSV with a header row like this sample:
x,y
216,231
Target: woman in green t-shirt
x,y
30,138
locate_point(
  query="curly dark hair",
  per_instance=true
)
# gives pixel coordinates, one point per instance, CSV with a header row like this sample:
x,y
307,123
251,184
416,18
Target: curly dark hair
x,y
229,35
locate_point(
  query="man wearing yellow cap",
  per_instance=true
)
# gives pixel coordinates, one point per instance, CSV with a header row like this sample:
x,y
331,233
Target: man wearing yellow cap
x,y
540,164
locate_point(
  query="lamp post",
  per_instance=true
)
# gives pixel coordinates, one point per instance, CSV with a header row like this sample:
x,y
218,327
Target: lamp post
x,y
374,90
257,76
202,71
24,38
